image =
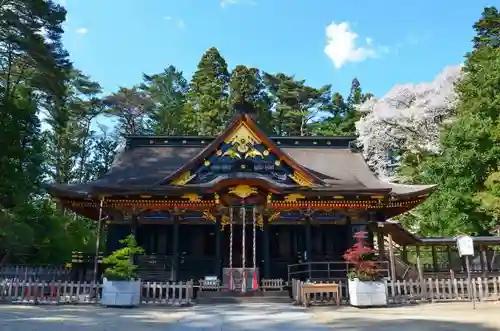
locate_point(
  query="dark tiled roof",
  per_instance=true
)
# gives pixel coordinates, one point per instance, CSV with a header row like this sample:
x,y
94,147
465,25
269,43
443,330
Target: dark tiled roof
x,y
345,167
147,163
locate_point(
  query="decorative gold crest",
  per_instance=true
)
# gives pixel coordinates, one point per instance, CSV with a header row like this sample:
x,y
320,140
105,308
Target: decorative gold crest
x,y
243,191
242,135
253,153
193,197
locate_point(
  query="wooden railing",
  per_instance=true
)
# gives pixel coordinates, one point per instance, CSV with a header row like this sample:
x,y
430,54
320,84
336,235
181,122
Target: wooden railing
x,y
327,270
482,289
276,284
163,293
34,273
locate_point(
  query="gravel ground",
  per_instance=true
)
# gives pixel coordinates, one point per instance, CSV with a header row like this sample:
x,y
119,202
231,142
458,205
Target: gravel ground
x,y
269,317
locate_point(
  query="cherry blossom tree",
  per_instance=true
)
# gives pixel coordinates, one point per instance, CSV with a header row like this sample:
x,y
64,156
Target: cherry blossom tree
x,y
406,120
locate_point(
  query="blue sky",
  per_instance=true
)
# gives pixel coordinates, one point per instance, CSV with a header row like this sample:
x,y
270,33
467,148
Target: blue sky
x,y
397,41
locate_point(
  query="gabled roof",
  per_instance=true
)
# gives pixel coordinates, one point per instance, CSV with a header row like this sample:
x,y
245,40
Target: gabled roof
x,y
154,163
243,132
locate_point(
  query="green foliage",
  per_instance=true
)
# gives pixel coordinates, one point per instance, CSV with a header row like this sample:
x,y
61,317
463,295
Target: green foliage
x,y
168,90
246,85
207,98
295,103
467,169
120,264
341,115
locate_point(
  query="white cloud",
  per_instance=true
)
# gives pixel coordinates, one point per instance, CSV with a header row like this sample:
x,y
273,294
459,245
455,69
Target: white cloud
x,y
342,45
82,31
177,21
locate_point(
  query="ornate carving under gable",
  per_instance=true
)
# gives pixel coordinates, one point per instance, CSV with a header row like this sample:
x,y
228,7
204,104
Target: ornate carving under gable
x,y
243,154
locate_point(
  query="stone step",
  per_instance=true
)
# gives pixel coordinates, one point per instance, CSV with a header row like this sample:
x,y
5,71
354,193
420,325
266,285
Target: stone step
x,y
225,297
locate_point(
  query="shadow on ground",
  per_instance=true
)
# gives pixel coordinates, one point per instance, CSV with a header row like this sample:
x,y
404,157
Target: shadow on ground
x,y
217,317
354,324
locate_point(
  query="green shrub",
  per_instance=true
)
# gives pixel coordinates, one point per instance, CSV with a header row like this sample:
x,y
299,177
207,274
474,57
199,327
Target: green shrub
x,y
120,264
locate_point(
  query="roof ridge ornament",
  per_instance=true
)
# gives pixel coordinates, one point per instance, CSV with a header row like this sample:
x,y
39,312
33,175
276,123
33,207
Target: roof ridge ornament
x,y
245,108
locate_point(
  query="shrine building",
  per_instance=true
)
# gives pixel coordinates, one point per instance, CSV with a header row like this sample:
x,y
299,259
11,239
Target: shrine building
x,y
241,201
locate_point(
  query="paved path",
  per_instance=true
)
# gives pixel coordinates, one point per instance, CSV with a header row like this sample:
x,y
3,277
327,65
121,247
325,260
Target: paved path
x,y
248,317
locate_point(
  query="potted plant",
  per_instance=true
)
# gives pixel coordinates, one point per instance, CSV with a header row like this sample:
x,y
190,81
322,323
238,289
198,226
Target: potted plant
x,y
366,286
121,285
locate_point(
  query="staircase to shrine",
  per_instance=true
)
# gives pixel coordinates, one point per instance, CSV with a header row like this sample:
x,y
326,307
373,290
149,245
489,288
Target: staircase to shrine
x,y
235,297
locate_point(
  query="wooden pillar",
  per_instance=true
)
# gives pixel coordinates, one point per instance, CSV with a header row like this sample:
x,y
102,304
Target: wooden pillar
x,y
448,253
175,250
392,260
423,286
217,261
349,240
484,253
265,248
481,259
308,240
434,259
381,244
134,224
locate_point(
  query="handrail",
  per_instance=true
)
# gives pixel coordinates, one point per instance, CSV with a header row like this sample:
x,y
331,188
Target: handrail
x,y
312,268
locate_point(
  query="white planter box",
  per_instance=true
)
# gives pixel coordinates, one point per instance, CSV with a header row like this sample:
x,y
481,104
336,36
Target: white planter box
x,y
121,293
367,293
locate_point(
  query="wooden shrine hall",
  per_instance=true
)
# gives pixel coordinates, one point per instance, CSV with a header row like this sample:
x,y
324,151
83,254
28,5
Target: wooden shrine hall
x,y
241,206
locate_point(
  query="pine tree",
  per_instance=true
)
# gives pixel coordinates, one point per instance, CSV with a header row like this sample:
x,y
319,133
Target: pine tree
x,y
207,98
167,91
295,103
246,85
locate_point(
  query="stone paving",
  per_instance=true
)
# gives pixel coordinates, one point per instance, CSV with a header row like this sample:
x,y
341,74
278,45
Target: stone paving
x,y
247,317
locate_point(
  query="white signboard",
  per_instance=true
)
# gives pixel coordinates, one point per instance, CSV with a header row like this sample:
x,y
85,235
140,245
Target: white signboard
x,y
465,245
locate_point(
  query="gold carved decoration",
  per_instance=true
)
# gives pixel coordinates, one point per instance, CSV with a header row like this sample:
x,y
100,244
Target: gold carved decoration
x,y
273,216
209,216
193,197
243,191
232,153
183,179
242,141
253,153
216,198
300,179
242,136
224,220
260,221
269,198
294,197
